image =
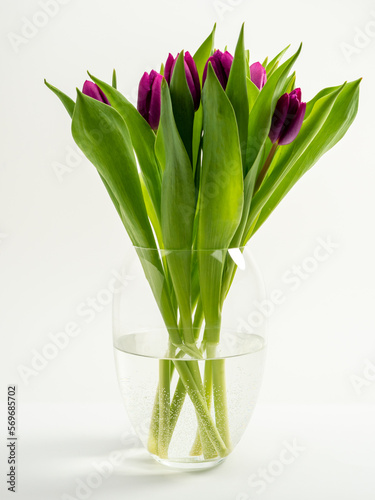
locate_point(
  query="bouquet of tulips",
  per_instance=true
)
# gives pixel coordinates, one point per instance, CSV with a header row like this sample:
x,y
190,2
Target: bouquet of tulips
x,y
214,145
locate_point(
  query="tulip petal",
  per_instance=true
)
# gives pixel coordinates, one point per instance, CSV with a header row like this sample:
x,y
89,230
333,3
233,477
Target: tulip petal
x,y
155,102
144,96
196,93
92,90
258,75
297,93
168,68
226,62
294,128
278,118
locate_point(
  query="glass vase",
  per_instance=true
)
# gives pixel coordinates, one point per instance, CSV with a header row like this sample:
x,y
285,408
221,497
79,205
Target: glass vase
x,y
190,381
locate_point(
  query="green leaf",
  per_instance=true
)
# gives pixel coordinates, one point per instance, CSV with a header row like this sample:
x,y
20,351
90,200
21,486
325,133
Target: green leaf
x,y
104,138
114,79
66,100
102,134
177,212
262,111
333,130
221,196
252,93
290,84
237,91
183,105
204,52
310,104
329,119
272,65
178,190
264,63
197,136
142,138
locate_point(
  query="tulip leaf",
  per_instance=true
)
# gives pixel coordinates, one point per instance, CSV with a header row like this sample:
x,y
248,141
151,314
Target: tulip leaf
x,y
197,136
262,111
178,190
66,100
288,155
177,212
204,52
102,134
104,138
333,130
221,195
114,79
237,91
142,138
290,83
310,105
159,149
183,105
272,65
252,93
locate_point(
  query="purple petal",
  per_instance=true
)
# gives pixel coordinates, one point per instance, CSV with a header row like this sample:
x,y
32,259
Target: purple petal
x,y
213,60
297,92
144,96
258,75
155,102
192,67
278,118
168,68
294,128
226,62
92,90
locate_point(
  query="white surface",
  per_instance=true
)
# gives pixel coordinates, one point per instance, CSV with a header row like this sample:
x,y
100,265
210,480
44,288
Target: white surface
x,y
61,241
62,446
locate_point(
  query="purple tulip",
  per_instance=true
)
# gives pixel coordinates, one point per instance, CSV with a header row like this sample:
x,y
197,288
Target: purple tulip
x,y
191,72
92,90
149,98
258,75
221,64
287,118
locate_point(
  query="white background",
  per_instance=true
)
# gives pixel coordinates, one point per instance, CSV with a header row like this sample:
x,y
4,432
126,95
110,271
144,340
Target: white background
x,y
61,240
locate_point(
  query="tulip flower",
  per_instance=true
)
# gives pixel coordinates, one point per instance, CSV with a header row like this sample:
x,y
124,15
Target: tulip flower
x,y
149,98
287,118
191,72
221,64
258,75
92,90
285,126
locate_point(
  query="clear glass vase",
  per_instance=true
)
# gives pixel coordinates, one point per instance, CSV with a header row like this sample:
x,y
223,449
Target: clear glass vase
x,y
190,380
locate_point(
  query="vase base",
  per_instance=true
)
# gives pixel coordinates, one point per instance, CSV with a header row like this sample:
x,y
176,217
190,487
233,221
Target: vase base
x,y
190,464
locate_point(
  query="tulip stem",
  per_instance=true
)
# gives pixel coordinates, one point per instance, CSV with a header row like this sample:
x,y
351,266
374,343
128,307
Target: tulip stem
x,y
266,166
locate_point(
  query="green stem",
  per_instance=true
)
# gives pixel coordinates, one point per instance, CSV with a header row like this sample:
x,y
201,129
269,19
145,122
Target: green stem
x,y
154,426
199,402
164,407
176,406
197,448
265,167
220,394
